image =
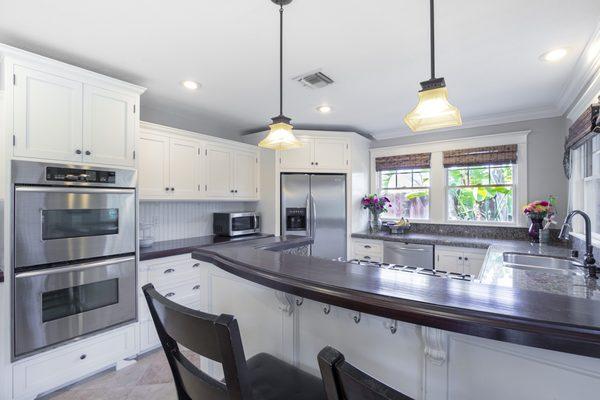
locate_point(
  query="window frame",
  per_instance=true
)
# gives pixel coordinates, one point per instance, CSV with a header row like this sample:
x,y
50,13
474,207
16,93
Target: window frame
x,y
515,208
379,175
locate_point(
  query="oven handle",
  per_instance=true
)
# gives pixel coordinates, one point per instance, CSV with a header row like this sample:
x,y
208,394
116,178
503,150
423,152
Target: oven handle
x,y
74,268
77,189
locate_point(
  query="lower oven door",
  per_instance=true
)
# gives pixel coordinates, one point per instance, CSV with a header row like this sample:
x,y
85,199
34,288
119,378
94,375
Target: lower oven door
x,y
57,304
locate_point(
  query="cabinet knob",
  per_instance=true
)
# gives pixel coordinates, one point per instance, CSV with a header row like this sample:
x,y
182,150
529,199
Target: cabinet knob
x,y
316,163
170,294
167,189
172,189
77,151
196,265
231,190
88,153
235,191
169,271
466,258
367,246
312,163
460,258
83,356
197,287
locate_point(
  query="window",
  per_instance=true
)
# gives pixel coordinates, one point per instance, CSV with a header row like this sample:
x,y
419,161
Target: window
x,y
408,191
585,184
480,193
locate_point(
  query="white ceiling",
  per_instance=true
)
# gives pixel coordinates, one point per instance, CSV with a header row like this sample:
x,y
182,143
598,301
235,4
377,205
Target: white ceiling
x,y
376,51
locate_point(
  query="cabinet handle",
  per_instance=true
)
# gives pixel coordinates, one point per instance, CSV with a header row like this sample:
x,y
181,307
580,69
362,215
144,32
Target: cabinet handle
x,y
169,271
367,246
367,257
88,153
235,191
170,294
172,189
466,258
167,189
196,265
197,287
231,191
77,151
316,163
460,258
83,356
312,163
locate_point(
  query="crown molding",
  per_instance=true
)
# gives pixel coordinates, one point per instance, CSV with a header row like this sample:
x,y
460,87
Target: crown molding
x,y
487,120
586,69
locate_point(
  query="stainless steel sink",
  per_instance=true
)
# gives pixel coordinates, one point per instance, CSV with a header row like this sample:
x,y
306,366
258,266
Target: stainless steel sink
x,y
561,265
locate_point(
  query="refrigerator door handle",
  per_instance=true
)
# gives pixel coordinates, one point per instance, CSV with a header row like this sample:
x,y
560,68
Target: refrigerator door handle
x,y
308,215
313,208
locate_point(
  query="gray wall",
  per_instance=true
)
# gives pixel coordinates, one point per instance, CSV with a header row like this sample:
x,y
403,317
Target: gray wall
x,y
544,153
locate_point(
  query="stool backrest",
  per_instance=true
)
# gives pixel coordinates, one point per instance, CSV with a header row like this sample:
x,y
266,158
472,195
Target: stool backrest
x,y
211,336
344,382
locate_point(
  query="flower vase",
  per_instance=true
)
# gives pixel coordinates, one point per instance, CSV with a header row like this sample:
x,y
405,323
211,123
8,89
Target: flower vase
x,y
374,223
535,228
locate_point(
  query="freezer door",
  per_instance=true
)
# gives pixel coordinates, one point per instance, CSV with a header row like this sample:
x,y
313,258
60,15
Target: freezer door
x,y
295,204
328,215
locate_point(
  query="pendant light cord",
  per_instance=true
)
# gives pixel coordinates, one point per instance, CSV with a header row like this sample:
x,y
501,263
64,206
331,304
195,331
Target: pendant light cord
x,y
281,60
432,38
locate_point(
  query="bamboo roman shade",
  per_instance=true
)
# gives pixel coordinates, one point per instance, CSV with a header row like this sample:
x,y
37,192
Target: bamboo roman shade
x,y
407,161
492,155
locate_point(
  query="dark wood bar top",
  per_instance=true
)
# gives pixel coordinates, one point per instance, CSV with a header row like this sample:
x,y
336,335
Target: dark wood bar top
x,y
531,318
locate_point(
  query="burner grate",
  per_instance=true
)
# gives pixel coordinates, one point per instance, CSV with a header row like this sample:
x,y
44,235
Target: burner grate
x,y
415,270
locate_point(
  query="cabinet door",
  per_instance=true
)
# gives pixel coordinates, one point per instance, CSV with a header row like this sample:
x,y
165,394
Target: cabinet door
x,y
108,127
245,175
47,116
473,263
331,154
153,167
298,159
451,261
184,168
219,171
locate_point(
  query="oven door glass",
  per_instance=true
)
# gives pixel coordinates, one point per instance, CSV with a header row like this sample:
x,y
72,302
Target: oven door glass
x,y
243,223
77,299
64,224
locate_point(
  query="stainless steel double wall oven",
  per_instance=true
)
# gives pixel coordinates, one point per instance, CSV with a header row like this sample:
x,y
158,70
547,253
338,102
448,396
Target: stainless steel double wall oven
x,y
74,252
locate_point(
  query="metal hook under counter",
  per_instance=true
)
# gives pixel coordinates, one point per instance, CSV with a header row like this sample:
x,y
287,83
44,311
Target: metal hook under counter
x,y
327,309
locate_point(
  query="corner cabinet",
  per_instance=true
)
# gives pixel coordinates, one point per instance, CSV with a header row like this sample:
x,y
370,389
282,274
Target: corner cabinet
x,y
319,154
63,113
174,165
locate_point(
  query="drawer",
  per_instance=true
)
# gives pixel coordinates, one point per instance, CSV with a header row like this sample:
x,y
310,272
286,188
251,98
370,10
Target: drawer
x,y
65,364
368,247
170,273
368,256
186,294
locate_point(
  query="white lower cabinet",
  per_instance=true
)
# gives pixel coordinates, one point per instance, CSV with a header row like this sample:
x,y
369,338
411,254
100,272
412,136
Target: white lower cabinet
x,y
178,279
458,259
370,250
55,368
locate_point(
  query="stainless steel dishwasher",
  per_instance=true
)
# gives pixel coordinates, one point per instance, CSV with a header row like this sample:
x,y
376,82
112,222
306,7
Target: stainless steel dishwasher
x,y
408,254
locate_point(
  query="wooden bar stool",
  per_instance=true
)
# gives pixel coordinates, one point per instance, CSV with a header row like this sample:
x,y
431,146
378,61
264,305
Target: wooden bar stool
x,y
262,377
344,382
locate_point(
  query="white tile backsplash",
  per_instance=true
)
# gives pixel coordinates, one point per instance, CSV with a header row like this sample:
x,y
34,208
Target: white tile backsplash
x,y
185,219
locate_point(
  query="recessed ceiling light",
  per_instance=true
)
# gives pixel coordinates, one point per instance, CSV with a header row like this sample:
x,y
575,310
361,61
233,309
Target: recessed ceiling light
x,y
554,55
191,85
324,109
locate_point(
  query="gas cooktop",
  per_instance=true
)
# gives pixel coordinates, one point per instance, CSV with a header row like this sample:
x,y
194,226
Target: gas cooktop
x,y
415,270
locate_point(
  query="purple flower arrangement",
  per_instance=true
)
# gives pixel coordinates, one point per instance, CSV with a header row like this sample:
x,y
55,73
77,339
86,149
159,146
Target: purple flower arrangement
x,y
375,204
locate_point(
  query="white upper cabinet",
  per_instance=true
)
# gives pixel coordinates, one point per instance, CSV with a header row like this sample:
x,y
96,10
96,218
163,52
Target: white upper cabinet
x,y
108,127
245,185
173,165
58,112
47,116
185,168
219,171
318,154
153,166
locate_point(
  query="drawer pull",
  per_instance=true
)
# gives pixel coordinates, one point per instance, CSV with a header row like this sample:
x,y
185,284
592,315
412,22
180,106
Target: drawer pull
x,y
196,265
197,287
169,271
367,257
83,356
170,294
367,246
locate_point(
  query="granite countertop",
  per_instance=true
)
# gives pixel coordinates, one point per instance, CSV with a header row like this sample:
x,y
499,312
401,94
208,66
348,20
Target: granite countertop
x,y
437,239
568,323
567,283
170,248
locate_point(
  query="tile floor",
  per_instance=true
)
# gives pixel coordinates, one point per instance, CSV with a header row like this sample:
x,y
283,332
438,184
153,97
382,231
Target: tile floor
x,y
148,379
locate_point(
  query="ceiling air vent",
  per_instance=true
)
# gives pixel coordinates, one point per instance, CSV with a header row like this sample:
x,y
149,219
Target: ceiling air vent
x,y
315,80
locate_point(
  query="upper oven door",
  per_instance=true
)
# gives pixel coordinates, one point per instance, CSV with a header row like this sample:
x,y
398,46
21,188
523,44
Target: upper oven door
x,y
56,224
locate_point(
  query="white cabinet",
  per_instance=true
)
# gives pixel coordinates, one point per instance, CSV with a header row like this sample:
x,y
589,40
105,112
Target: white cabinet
x,y
371,250
48,112
108,126
245,176
461,260
219,171
317,154
60,116
169,168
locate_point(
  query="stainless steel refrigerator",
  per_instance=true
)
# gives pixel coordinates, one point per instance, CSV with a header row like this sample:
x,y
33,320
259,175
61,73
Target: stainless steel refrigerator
x,y
315,205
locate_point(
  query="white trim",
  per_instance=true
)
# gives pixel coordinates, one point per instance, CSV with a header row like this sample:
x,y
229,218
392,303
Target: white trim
x,y
438,212
586,69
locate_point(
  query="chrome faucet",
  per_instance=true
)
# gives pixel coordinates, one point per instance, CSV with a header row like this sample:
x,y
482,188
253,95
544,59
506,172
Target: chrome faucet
x,y
589,262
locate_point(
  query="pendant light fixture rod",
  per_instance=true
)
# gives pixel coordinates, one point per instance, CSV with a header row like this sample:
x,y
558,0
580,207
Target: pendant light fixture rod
x,y
281,60
432,38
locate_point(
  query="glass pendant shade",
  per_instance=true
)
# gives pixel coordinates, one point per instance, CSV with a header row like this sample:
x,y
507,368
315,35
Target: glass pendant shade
x,y
280,137
434,111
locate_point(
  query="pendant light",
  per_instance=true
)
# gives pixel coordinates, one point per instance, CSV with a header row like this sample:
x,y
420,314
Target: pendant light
x,y
280,136
433,111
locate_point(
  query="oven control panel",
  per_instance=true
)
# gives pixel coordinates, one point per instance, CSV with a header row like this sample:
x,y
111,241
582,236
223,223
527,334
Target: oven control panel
x,y
55,174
